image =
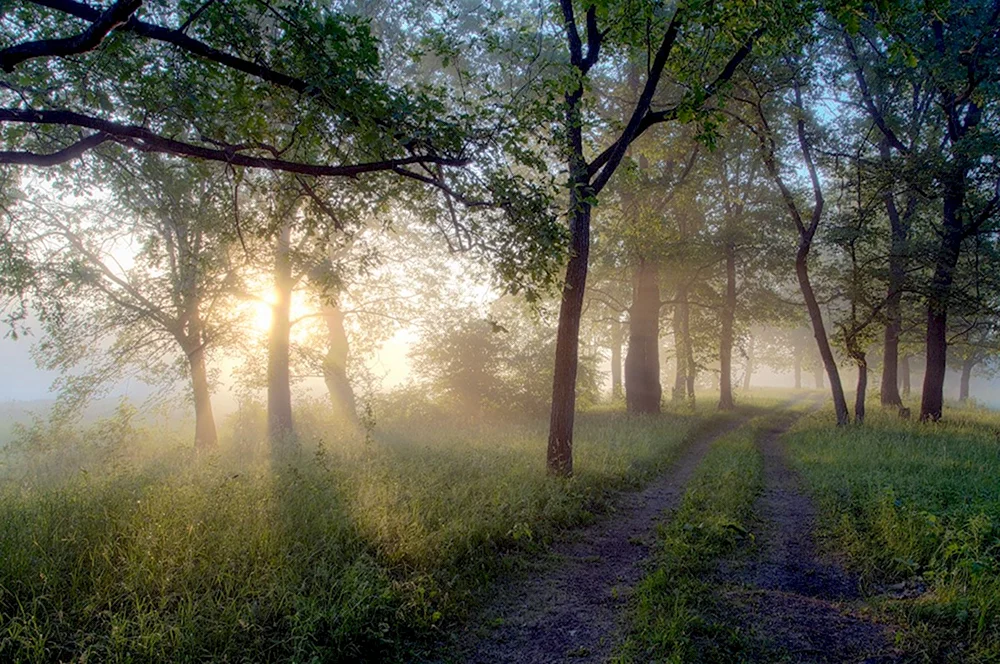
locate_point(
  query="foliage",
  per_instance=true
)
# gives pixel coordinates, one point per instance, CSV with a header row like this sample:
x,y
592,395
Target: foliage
x,y
498,364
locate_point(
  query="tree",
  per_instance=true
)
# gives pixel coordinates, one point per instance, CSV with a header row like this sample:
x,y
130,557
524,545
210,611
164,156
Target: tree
x,y
953,49
759,96
627,30
173,301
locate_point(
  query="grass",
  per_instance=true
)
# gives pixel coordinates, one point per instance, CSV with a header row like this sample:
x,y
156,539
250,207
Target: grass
x,y
919,505
117,546
674,614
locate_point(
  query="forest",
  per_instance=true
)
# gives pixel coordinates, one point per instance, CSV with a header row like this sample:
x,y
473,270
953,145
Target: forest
x,y
500,331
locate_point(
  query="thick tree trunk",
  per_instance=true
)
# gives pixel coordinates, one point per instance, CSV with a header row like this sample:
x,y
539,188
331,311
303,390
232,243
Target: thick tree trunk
x,y
859,396
335,364
963,386
819,332
726,401
642,362
559,457
280,427
932,398
617,334
205,435
904,375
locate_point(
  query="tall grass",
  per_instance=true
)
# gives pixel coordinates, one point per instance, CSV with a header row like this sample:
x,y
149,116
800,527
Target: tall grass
x,y
917,504
119,547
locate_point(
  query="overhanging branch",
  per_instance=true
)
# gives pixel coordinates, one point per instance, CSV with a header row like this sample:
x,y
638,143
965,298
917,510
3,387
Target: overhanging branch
x,y
145,140
88,40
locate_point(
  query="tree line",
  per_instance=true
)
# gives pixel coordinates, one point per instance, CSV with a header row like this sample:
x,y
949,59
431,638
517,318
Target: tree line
x,y
827,169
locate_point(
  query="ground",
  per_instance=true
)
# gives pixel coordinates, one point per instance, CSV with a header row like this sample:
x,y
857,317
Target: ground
x,y
765,535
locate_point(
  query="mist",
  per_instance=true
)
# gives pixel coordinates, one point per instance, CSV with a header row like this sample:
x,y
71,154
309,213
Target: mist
x,y
499,332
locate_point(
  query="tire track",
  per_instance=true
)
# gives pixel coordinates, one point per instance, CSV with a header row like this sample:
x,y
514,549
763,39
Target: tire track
x,y
801,606
571,611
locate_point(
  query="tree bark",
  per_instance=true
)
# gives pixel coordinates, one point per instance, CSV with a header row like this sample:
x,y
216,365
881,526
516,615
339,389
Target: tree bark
x,y
963,386
680,373
280,426
726,401
859,396
686,370
642,362
617,334
205,435
335,364
898,251
559,456
904,374
932,398
819,331
748,374
797,366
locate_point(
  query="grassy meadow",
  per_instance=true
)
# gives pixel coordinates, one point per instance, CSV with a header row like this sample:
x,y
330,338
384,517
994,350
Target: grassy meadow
x,y
916,510
362,547
118,545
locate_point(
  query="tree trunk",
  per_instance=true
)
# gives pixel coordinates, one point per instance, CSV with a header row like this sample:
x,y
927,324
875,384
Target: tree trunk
x,y
335,364
642,362
963,386
559,456
680,374
617,333
205,435
859,396
280,428
692,370
898,250
748,374
932,399
819,331
904,374
686,370
726,401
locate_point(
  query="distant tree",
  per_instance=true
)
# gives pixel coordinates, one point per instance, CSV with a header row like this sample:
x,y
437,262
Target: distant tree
x,y
142,283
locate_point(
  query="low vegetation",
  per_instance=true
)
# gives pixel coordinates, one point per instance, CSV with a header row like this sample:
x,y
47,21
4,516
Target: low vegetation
x,y
917,511
361,548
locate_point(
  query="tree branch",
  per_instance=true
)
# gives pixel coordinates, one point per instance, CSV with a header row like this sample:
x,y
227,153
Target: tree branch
x,y
88,40
54,158
652,118
631,131
866,96
143,139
